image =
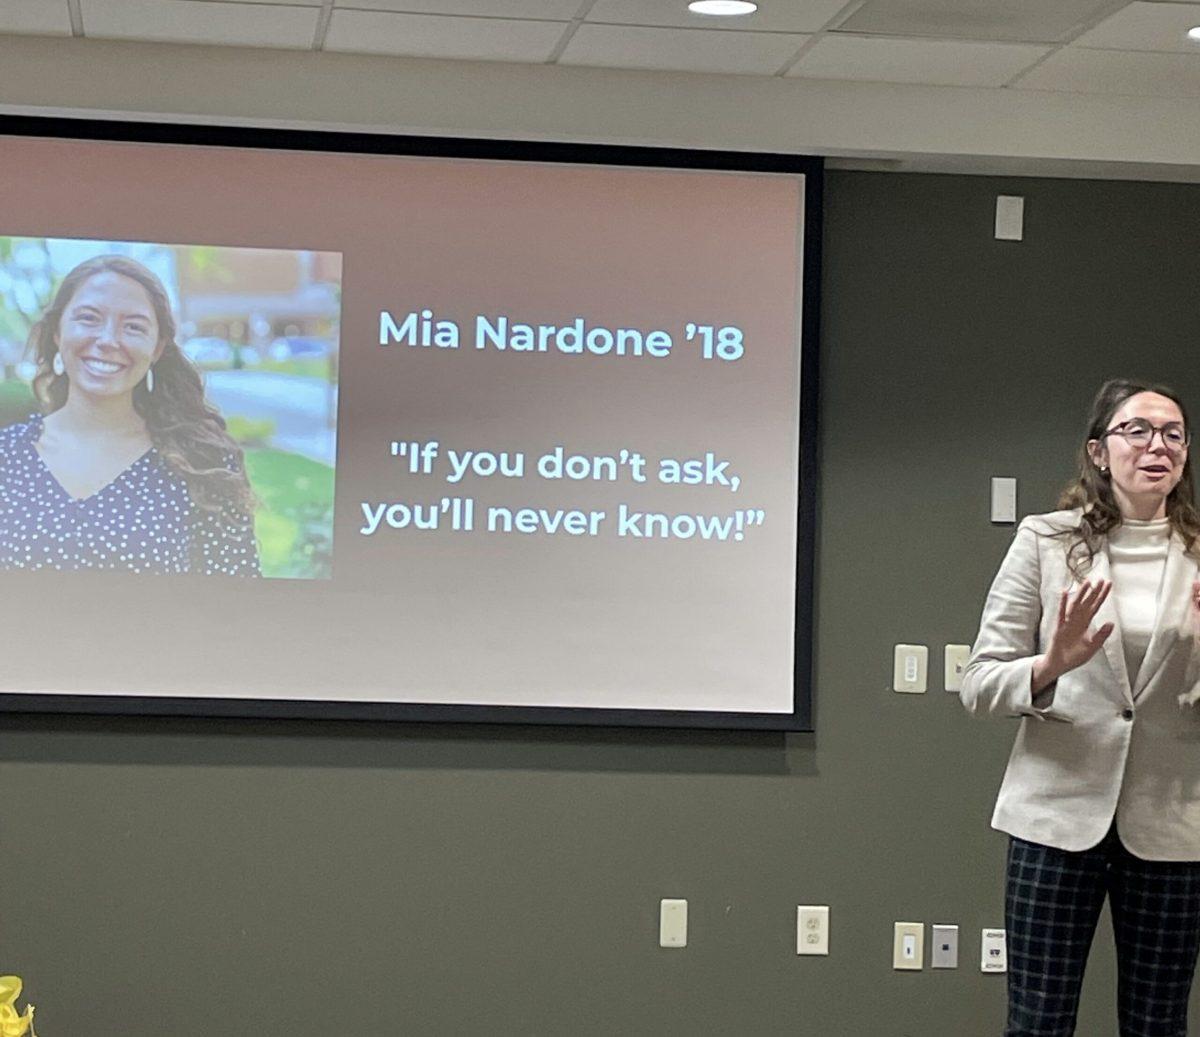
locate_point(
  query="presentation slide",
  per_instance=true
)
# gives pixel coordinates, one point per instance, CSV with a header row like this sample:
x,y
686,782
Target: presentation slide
x,y
310,426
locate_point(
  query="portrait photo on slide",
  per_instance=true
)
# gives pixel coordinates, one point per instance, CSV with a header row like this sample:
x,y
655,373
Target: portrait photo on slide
x,y
167,408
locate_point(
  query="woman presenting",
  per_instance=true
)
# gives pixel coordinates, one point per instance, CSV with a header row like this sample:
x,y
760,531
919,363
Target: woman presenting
x,y
129,468
1089,634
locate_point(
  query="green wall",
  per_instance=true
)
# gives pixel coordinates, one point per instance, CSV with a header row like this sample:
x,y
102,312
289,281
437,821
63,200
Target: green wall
x,y
194,877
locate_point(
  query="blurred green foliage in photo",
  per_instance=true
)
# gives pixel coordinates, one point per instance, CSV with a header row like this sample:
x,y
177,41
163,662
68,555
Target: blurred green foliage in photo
x,y
294,520
17,402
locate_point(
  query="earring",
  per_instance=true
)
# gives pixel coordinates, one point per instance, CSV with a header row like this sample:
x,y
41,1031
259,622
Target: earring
x,y
57,366
150,379
1103,470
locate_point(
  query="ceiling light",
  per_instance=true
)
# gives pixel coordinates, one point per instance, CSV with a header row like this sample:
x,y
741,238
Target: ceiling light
x,y
726,8
1194,34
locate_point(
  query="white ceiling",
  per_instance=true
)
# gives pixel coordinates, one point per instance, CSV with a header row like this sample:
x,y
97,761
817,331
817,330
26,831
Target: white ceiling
x,y
1104,47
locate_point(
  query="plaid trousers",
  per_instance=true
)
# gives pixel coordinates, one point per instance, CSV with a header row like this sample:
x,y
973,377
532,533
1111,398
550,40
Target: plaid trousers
x,y
1052,903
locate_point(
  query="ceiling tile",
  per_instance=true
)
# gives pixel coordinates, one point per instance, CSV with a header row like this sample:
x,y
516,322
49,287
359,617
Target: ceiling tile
x,y
793,16
545,10
284,3
681,50
35,16
1028,21
435,36
937,62
1136,73
1142,26
198,21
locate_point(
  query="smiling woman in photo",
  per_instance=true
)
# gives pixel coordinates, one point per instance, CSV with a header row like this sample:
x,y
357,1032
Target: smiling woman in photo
x,y
128,467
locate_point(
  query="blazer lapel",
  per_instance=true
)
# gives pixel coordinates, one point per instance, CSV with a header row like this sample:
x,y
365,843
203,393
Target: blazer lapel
x,y
1174,599
1114,646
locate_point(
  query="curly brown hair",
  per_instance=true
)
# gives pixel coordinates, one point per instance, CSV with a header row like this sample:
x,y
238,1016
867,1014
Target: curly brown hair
x,y
184,428
1092,490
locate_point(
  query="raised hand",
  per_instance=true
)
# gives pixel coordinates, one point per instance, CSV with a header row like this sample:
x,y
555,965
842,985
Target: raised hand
x,y
1071,644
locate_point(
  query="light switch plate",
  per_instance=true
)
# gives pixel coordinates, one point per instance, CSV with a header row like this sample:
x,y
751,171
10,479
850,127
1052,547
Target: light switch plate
x,y
944,954
908,945
672,923
994,957
812,930
955,663
910,665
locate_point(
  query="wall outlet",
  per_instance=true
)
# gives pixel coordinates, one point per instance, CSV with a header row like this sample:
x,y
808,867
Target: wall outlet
x,y
812,930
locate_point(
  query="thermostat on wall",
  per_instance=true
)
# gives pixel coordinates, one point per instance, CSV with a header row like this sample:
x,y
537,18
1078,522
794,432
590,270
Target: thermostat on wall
x,y
1004,500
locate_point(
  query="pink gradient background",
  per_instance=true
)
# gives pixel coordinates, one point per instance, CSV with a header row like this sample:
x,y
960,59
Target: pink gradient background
x,y
468,618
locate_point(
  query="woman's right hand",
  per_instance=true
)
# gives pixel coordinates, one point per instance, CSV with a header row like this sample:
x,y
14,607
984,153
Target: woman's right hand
x,y
1071,645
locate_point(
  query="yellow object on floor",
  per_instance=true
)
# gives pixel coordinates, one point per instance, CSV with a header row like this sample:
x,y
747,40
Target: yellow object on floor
x,y
12,1024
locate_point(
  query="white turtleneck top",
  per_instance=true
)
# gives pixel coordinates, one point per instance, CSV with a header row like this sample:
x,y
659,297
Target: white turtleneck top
x,y
1137,553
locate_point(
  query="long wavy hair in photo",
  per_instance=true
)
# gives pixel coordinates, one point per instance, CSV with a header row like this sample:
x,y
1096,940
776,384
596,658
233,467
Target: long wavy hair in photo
x,y
188,432
1092,489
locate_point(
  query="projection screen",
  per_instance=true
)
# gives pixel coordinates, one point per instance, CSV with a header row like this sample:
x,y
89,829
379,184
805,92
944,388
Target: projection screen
x,y
338,425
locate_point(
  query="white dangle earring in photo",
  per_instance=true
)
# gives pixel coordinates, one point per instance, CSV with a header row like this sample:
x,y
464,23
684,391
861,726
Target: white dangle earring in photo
x,y
57,365
149,379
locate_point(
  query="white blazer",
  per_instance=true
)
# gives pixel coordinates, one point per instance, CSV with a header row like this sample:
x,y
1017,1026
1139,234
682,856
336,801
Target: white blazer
x,y
1094,745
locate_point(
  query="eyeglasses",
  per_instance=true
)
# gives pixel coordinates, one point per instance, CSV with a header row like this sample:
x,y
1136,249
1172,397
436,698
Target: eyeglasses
x,y
1138,432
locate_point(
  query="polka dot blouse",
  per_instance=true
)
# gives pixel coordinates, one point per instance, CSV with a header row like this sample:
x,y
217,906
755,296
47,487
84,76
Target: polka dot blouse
x,y
142,522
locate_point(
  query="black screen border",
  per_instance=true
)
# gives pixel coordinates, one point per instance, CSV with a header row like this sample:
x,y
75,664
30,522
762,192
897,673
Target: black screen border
x,y
801,719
